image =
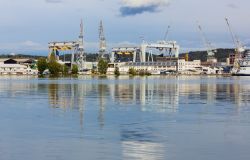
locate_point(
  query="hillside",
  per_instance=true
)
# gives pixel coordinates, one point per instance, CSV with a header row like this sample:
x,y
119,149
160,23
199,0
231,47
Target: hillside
x,y
221,55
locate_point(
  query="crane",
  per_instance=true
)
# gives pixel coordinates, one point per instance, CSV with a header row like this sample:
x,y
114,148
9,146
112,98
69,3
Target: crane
x,y
102,41
238,45
209,48
166,33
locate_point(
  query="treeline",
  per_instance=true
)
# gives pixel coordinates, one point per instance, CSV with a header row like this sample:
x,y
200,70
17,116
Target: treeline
x,y
221,55
20,56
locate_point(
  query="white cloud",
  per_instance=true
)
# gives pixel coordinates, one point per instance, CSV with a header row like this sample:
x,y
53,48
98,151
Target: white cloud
x,y
144,3
133,7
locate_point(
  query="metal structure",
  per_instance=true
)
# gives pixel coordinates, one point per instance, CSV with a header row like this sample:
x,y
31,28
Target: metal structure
x,y
171,47
238,45
144,53
76,49
125,51
102,41
209,48
80,55
166,34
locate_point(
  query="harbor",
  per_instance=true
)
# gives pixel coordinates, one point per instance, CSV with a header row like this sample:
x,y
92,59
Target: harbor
x,y
124,80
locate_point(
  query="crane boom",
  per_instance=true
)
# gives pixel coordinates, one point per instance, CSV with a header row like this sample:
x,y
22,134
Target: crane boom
x,y
238,45
235,41
166,34
207,44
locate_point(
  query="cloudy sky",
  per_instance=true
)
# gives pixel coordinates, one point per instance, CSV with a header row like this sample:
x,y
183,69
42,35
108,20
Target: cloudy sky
x,y
26,26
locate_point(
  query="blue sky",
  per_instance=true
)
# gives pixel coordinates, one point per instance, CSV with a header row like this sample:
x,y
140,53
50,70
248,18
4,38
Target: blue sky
x,y
26,26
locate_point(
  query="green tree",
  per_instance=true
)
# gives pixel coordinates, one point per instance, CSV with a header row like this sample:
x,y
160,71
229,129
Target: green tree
x,y
42,65
74,69
102,66
65,69
117,72
132,71
52,56
54,67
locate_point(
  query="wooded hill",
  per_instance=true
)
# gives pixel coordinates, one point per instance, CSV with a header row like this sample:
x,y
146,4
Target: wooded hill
x,y
221,55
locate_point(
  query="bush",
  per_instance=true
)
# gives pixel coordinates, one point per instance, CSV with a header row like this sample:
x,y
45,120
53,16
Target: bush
x,y
42,65
74,69
132,71
102,66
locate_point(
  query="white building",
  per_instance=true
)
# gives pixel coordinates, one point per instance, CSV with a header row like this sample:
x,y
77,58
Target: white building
x,y
189,67
150,67
13,67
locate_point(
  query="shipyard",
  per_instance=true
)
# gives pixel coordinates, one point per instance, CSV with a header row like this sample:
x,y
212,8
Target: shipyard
x,y
162,57
124,80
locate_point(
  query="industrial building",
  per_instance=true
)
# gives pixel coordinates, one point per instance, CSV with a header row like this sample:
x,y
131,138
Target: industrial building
x,y
16,66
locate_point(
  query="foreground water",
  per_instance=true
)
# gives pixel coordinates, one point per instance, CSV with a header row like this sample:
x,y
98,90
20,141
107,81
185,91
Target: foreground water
x,y
147,118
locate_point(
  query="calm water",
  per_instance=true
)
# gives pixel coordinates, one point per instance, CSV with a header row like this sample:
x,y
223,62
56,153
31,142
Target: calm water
x,y
154,118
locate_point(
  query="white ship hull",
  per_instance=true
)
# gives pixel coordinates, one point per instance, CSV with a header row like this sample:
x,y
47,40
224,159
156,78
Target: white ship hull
x,y
243,71
244,64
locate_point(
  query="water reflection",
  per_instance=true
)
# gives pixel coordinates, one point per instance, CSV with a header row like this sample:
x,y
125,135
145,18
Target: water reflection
x,y
139,118
151,94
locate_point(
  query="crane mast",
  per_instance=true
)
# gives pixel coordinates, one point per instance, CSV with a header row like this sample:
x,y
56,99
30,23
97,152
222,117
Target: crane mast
x,y
102,41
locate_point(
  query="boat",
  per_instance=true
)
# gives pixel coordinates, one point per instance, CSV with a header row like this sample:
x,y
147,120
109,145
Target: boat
x,y
244,66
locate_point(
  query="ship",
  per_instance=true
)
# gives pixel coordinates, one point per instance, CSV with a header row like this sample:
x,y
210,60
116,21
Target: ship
x,y
244,65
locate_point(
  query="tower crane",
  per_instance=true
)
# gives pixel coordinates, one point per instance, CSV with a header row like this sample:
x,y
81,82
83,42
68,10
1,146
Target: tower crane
x,y
209,48
238,45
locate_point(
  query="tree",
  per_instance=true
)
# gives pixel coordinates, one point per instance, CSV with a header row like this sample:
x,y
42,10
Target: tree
x,y
65,69
117,72
74,69
102,66
42,65
132,71
52,56
54,67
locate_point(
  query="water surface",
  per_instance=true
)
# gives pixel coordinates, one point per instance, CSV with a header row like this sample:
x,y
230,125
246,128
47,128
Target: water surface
x,y
149,118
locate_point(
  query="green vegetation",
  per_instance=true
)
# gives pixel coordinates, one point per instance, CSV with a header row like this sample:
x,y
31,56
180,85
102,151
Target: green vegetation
x,y
65,69
221,55
117,72
102,66
52,56
74,69
54,68
42,65
132,71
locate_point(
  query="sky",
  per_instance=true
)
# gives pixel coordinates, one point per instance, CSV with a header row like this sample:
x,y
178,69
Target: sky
x,y
26,26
